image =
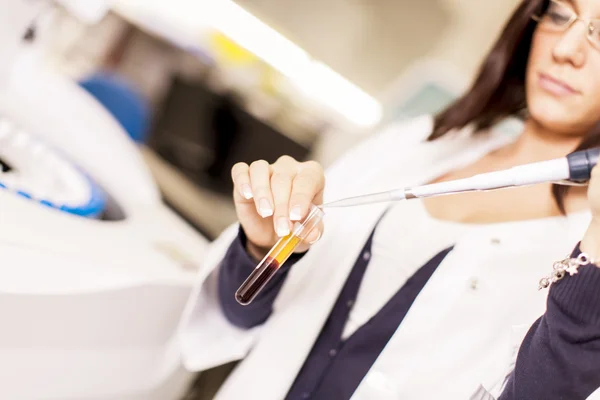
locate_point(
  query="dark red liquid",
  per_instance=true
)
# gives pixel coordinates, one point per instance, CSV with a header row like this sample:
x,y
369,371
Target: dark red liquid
x,y
256,281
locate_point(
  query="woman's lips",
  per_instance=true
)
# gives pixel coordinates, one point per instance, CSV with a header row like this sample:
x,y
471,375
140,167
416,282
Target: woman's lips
x,y
555,86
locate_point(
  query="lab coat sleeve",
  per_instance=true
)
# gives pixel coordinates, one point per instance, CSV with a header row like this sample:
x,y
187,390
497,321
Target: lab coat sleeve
x,y
560,355
206,338
211,331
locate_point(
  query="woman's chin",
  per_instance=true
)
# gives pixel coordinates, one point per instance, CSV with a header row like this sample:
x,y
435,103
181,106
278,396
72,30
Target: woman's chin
x,y
556,115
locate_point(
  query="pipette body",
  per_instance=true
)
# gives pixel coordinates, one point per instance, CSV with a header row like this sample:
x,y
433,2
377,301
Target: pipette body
x,y
573,169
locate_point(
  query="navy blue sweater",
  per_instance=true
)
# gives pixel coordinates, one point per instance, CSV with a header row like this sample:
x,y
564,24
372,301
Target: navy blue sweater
x,y
559,358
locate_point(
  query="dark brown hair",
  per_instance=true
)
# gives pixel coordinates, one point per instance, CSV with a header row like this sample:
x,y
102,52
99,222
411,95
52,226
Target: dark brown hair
x,y
499,88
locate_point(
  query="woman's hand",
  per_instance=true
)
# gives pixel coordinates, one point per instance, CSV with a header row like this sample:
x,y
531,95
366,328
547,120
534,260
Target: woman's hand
x,y
268,197
590,243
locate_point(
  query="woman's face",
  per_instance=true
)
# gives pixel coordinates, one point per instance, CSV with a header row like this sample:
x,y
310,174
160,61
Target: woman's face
x,y
563,72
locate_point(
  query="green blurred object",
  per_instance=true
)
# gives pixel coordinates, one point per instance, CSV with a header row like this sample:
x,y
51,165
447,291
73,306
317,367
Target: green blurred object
x,y
433,97
430,98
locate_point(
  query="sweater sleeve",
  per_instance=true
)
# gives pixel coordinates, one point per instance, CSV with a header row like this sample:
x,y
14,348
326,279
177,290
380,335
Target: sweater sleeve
x,y
233,271
559,358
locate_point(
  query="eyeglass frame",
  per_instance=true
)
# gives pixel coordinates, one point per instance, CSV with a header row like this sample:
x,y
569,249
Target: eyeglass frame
x,y
574,18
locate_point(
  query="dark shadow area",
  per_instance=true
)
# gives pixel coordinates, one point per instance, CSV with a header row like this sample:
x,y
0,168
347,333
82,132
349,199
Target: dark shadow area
x,y
112,210
208,382
4,166
203,134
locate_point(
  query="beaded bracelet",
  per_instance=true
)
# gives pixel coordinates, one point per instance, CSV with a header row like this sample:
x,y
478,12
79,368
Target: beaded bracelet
x,y
560,269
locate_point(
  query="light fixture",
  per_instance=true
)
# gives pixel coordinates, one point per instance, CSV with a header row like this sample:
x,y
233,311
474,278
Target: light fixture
x,y
314,78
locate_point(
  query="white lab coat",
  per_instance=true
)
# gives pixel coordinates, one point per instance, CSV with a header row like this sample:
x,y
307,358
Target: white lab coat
x,y
453,332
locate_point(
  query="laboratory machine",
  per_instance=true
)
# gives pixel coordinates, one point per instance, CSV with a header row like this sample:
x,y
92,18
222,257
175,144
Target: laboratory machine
x,y
94,269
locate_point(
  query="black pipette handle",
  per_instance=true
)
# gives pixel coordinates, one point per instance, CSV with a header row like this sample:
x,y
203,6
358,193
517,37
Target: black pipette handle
x,y
581,164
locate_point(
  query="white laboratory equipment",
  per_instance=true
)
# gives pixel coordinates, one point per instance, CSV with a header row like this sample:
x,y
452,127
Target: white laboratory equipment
x,y
94,269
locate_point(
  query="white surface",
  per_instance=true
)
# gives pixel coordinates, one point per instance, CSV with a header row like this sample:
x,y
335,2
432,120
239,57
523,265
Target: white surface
x,y
89,307
14,21
116,350
88,11
152,246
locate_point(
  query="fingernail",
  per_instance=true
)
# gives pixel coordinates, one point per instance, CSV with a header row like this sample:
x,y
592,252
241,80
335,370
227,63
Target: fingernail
x,y
296,213
264,208
247,191
283,227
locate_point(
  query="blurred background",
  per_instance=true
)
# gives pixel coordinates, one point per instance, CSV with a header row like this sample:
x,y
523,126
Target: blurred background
x,y
223,81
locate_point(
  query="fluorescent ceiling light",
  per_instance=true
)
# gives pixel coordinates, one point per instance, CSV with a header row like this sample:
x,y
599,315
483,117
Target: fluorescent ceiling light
x,y
314,78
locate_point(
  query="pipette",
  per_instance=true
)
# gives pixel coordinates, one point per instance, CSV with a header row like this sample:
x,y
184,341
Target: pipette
x,y
573,169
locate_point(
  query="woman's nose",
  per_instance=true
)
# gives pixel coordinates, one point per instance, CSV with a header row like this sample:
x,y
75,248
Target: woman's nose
x,y
571,47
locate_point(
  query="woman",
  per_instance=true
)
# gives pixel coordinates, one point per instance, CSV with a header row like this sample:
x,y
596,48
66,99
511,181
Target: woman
x,y
424,299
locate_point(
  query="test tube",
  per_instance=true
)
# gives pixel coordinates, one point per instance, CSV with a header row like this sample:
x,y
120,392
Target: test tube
x,y
278,255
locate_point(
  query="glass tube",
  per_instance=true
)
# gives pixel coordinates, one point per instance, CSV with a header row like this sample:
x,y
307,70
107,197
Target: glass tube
x,y
278,255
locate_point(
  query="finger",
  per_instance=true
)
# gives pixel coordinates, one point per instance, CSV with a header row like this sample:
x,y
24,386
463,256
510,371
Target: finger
x,y
283,171
260,177
315,235
307,188
281,187
241,180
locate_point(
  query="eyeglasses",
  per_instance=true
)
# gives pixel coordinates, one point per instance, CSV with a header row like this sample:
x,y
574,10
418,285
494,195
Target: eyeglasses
x,y
559,17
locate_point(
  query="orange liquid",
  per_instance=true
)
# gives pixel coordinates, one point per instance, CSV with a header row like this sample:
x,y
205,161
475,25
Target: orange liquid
x,y
284,248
